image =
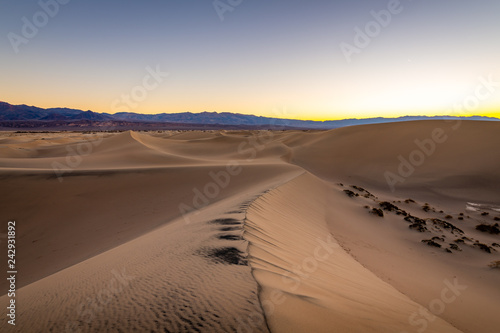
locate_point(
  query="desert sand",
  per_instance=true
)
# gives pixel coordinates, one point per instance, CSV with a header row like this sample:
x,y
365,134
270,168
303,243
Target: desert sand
x,y
359,229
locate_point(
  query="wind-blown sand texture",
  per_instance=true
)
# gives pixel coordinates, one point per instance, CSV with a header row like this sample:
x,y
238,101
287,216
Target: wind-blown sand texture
x,y
255,231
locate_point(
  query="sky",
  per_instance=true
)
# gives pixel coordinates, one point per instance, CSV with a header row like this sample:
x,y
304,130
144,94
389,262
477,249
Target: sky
x,y
298,59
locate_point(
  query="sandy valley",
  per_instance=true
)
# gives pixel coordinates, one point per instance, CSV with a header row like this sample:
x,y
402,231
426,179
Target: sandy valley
x,y
375,228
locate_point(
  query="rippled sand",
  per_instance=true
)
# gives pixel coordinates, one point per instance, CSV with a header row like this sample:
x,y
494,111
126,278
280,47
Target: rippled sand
x,y
254,231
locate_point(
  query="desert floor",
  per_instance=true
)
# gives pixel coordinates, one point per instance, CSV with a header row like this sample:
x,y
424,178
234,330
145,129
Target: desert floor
x,y
359,229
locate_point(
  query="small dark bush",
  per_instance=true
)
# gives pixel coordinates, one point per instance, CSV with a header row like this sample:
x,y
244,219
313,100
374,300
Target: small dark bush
x,y
409,201
495,264
448,217
377,212
414,219
455,247
226,222
431,243
417,223
230,237
496,218
228,255
447,225
418,227
358,188
485,213
362,190
388,206
492,229
351,194
483,247
225,229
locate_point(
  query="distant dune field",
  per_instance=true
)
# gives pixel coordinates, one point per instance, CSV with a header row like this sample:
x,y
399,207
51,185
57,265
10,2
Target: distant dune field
x,y
373,228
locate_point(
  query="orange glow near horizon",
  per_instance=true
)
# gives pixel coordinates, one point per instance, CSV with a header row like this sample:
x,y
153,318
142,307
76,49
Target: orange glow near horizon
x,y
263,60
283,112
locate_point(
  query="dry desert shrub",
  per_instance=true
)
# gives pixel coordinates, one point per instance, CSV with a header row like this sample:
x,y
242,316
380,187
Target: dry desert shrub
x,y
492,229
495,264
377,212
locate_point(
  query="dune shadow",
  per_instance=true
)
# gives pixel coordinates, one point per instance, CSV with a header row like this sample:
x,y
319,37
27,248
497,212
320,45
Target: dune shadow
x,y
228,256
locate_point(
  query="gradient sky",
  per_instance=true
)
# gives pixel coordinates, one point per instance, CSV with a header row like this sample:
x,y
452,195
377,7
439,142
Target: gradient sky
x,y
267,57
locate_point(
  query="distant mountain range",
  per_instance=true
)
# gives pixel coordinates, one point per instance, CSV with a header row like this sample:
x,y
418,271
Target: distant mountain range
x,y
24,117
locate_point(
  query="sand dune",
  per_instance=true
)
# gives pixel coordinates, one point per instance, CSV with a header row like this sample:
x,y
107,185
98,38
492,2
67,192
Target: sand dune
x,y
462,164
322,287
255,231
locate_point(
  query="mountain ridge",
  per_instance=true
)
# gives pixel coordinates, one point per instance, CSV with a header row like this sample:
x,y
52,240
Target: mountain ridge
x,y
32,117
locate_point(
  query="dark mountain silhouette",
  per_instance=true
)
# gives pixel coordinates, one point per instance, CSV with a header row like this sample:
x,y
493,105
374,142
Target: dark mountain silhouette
x,y
31,117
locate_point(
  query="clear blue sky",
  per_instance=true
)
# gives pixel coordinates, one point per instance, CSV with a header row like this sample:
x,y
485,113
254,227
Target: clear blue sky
x,y
264,57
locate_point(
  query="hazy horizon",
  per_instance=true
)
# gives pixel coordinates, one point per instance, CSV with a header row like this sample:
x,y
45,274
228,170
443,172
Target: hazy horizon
x,y
277,115
319,60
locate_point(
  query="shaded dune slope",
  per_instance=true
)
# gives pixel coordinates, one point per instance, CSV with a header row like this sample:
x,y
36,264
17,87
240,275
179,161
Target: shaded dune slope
x,y
308,282
187,276
465,162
